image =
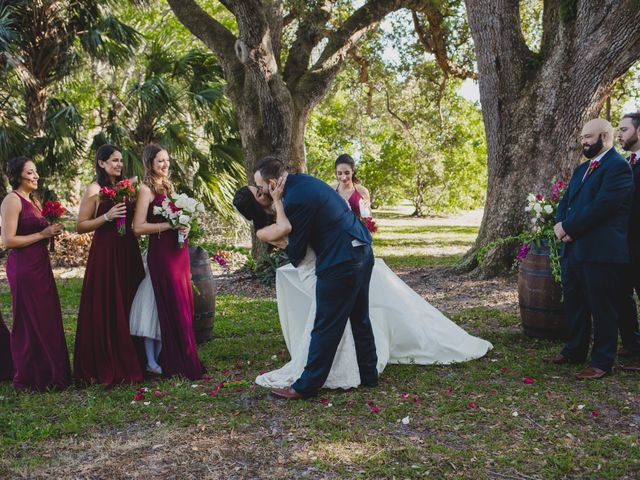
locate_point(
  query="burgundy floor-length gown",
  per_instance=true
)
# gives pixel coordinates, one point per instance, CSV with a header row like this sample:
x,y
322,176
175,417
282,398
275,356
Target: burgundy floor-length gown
x,y
6,364
171,278
104,349
38,346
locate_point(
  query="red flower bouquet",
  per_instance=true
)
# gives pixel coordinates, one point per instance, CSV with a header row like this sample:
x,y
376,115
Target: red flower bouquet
x,y
124,191
53,212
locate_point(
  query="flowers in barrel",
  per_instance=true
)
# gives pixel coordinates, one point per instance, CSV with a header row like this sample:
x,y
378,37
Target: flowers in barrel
x,y
124,191
53,211
542,213
179,210
365,216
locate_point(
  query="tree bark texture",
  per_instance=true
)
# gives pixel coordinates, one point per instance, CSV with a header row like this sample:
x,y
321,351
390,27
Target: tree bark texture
x,y
535,104
274,91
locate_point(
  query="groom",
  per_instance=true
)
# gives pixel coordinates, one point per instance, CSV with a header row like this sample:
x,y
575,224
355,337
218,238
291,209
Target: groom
x,y
322,220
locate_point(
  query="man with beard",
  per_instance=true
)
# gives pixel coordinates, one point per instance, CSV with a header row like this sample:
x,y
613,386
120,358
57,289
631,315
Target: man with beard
x,y
628,324
593,221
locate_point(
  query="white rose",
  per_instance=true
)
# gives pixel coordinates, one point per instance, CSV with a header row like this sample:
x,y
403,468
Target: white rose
x,y
531,197
548,209
200,207
537,207
157,210
184,220
527,208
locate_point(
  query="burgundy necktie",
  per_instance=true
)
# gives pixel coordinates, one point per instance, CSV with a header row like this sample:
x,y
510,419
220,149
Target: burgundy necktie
x,y
632,159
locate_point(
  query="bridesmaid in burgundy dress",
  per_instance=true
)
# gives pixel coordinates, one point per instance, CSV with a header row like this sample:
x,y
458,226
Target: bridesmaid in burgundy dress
x,y
38,346
104,349
6,364
348,185
169,269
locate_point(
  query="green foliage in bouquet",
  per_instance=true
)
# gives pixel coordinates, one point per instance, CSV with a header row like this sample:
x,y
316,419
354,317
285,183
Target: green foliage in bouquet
x,y
540,233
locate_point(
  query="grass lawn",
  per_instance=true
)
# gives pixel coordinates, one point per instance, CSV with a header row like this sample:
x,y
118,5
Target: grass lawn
x,y
507,415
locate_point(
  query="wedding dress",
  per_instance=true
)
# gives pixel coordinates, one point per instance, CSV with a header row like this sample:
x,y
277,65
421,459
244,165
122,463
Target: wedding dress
x,y
407,328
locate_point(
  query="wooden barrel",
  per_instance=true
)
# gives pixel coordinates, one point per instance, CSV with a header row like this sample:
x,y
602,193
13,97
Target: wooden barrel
x,y
540,297
204,294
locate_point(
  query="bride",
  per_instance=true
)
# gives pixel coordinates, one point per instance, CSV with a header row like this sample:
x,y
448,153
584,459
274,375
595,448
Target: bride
x,y
407,329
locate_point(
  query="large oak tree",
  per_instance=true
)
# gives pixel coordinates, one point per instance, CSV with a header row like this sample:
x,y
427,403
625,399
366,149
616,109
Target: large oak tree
x,y
535,103
282,62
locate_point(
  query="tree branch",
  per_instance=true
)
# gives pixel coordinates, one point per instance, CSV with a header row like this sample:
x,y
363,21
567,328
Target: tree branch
x,y
550,25
317,79
434,40
311,29
212,33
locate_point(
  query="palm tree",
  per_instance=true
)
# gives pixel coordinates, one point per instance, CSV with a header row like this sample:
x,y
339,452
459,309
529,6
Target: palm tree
x,y
178,101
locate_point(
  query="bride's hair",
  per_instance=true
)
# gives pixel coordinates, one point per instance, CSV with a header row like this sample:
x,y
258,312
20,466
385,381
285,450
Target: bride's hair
x,y
247,205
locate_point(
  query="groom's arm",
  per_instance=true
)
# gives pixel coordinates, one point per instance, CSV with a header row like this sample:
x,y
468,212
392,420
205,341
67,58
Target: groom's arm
x,y
300,216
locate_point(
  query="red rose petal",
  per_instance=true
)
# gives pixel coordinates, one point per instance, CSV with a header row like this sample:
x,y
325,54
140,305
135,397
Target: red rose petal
x,y
375,409
472,405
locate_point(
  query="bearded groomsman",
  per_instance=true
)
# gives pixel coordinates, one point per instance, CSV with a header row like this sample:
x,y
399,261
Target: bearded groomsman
x,y
593,221
628,131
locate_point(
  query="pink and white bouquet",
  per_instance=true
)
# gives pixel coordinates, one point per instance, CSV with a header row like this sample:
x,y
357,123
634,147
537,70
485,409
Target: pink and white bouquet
x,y
179,210
365,215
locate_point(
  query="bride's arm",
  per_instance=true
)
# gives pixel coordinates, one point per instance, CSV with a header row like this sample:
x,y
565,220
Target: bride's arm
x,y
276,234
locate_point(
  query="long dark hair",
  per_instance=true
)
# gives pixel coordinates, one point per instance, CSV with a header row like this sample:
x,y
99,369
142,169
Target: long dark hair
x,y
345,159
148,155
102,155
14,173
249,208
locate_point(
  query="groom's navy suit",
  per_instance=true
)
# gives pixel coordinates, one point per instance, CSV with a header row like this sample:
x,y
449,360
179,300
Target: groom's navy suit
x,y
594,212
322,220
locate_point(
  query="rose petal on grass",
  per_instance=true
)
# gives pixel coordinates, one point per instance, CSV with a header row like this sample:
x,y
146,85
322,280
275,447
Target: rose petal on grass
x,y
472,405
528,380
595,413
375,409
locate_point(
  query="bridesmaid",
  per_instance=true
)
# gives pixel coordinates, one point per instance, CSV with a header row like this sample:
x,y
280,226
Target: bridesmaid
x,y
169,269
6,364
104,349
38,346
348,185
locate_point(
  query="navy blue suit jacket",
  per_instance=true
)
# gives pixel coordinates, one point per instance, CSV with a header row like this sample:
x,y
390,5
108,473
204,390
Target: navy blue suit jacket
x,y
321,219
595,212
634,220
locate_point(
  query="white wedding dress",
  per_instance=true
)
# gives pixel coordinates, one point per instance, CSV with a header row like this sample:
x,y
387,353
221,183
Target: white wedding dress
x,y
407,328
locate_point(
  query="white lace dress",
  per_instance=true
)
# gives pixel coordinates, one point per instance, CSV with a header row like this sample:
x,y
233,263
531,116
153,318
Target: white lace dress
x,y
407,328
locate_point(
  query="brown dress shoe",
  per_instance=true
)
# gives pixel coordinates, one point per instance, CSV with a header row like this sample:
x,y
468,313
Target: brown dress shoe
x,y
631,367
590,373
287,393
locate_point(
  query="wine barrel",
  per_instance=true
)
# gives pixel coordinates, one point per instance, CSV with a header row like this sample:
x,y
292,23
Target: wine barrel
x,y
204,294
540,297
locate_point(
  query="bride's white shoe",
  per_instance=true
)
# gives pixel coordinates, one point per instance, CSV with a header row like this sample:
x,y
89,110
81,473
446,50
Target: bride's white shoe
x,y
157,370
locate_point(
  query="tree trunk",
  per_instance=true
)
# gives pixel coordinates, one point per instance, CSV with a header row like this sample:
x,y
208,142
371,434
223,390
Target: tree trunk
x,y
35,99
534,105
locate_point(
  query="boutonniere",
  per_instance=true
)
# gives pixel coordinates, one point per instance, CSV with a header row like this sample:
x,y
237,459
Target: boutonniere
x,y
592,166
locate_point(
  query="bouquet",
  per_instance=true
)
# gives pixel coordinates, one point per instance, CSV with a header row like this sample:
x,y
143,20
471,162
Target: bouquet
x,y
543,213
179,210
365,215
123,191
53,212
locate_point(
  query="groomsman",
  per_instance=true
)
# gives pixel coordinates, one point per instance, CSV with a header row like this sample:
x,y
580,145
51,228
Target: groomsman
x,y
593,221
628,131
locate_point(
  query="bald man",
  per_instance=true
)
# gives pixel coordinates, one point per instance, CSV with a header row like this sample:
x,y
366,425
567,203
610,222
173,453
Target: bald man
x,y
593,223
